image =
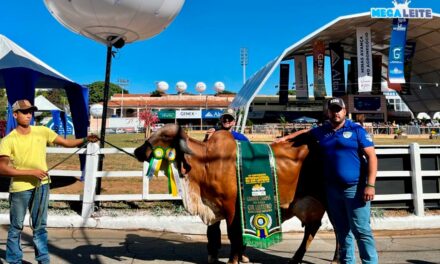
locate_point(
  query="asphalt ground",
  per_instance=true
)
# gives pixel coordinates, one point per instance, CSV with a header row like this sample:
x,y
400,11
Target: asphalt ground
x,y
96,246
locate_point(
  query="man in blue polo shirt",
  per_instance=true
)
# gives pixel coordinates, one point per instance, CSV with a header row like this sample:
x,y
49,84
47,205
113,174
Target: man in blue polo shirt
x,y
350,166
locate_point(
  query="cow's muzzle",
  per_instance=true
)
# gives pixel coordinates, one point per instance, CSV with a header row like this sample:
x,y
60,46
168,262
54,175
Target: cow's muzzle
x,y
144,152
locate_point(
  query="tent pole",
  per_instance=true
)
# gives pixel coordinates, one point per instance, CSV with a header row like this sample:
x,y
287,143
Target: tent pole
x,y
104,112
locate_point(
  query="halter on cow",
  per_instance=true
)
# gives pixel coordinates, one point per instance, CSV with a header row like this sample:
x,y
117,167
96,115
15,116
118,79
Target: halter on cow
x,y
208,177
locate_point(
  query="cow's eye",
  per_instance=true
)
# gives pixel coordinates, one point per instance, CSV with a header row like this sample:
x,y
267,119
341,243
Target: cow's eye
x,y
165,137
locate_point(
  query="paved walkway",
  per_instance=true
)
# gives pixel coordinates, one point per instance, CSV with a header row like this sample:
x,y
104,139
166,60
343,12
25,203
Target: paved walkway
x,y
95,246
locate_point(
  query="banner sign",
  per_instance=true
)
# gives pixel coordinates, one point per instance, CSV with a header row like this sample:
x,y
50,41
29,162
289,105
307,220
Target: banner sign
x,y
301,82
166,114
57,125
188,114
377,74
365,60
401,10
258,195
337,67
284,83
352,83
318,69
397,51
410,49
211,113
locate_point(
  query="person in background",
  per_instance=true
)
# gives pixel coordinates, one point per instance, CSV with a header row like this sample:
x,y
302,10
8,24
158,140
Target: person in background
x,y
350,167
227,122
25,149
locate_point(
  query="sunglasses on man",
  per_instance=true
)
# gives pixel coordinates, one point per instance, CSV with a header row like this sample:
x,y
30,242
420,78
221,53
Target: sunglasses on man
x,y
26,111
227,120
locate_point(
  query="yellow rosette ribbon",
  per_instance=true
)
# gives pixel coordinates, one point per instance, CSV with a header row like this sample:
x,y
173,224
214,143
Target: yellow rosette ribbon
x,y
159,153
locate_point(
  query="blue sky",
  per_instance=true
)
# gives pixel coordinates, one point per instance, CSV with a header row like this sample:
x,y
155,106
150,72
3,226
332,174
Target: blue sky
x,y
202,44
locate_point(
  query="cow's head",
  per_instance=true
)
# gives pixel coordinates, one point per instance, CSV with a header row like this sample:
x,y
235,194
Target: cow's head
x,y
169,136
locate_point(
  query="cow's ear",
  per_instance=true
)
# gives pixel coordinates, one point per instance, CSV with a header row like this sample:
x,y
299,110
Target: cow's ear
x,y
185,168
183,141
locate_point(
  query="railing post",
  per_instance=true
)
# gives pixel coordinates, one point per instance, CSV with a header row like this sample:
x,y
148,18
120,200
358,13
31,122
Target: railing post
x,y
145,181
417,183
90,173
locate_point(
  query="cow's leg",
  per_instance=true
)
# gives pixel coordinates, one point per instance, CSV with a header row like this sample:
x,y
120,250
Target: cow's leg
x,y
309,233
214,242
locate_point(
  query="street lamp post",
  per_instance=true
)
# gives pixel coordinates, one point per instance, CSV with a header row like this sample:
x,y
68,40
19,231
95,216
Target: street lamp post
x,y
244,61
123,83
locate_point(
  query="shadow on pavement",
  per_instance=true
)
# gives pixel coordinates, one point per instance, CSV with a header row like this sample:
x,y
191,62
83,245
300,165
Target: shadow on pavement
x,y
152,249
419,261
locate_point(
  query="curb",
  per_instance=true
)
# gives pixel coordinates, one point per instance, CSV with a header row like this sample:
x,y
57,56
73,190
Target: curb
x,y
193,224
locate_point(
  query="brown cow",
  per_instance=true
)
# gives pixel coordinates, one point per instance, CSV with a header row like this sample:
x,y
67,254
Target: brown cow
x,y
208,171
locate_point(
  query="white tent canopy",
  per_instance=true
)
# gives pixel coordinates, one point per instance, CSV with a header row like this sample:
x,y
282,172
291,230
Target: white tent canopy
x,y
44,105
14,56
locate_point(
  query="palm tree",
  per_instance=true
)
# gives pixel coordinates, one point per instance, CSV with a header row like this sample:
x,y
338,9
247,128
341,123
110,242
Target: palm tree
x,y
283,123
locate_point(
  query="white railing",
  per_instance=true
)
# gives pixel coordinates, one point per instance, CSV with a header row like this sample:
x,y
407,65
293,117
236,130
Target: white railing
x,y
91,174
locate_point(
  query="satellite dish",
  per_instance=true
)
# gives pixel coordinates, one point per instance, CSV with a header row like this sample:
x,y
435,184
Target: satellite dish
x,y
219,87
162,86
103,20
181,86
200,87
96,110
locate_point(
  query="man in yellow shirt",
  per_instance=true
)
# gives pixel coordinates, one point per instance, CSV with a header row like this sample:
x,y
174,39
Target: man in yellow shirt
x,y
25,149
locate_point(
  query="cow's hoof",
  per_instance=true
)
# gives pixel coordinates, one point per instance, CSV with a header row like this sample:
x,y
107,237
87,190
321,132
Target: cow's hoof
x,y
244,259
212,259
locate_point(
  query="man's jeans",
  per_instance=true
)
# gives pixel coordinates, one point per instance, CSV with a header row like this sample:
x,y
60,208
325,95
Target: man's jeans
x,y
19,202
351,217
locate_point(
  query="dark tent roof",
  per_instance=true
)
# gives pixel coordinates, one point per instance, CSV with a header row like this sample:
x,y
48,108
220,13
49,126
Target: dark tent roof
x,y
21,73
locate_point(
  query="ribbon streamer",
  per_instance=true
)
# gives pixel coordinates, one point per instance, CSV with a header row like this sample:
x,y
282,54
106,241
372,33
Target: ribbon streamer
x,y
159,153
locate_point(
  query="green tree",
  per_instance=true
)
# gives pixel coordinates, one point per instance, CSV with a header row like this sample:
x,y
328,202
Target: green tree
x,y
96,91
226,92
3,104
290,92
57,97
283,122
156,93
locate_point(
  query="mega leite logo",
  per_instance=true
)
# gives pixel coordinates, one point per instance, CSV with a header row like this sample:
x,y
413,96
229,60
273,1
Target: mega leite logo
x,y
401,9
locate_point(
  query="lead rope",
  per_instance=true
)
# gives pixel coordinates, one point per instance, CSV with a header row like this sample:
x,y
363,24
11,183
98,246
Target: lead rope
x,y
44,197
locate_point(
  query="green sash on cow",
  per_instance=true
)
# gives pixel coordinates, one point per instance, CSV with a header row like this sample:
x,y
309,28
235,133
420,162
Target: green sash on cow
x,y
258,195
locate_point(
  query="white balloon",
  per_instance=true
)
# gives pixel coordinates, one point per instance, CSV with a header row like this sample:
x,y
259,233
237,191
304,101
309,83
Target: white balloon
x,y
181,86
219,87
96,110
200,87
130,19
162,86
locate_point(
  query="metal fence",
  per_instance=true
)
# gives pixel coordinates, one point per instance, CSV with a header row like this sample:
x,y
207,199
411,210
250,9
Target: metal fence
x,y
412,171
